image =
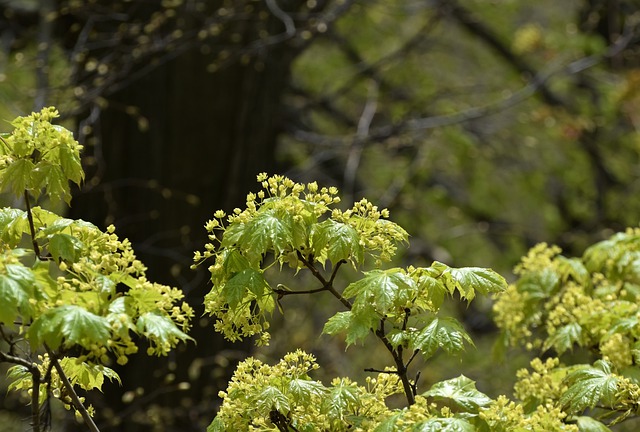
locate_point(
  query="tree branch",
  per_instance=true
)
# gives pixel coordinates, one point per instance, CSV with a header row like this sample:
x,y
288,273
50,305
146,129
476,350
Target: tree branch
x,y
77,403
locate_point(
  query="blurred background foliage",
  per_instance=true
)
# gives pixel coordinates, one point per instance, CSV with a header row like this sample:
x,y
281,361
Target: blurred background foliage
x,y
485,126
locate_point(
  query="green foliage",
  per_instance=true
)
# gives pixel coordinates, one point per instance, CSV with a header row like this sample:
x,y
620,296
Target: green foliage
x,y
77,293
39,156
561,304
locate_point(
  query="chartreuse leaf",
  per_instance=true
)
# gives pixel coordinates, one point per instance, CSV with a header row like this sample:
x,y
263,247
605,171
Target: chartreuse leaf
x,y
65,247
160,328
432,292
16,288
446,333
87,375
336,241
268,231
450,424
271,398
564,338
342,397
17,176
73,324
388,424
357,322
383,288
71,165
13,224
589,386
248,280
338,323
303,390
468,280
461,391
217,425
589,424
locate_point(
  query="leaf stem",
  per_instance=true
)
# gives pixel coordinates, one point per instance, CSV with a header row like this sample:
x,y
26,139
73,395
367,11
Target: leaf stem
x,y
326,284
72,393
397,354
32,228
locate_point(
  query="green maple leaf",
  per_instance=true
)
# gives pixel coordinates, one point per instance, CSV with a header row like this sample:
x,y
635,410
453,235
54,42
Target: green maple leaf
x,y
337,241
65,247
69,160
160,328
86,375
383,288
16,288
590,385
73,324
461,391
268,231
13,224
248,280
271,398
446,333
564,338
589,424
467,280
340,399
451,424
303,390
17,176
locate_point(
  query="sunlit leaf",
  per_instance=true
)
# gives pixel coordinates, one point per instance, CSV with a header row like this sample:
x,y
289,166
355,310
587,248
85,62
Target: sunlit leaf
x,y
564,338
17,176
467,280
73,324
304,390
16,288
271,398
383,288
267,232
160,328
86,375
338,240
248,280
446,333
450,424
13,224
341,399
590,386
65,247
589,424
461,391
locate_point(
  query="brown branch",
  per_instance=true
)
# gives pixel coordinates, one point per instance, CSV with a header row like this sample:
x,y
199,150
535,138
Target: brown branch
x,y
32,228
326,284
77,403
35,387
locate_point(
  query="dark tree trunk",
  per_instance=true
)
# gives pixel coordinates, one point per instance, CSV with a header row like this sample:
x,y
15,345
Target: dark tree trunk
x,y
208,137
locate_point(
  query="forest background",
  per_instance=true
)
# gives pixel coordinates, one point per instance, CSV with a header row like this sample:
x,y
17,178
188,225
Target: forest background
x,y
485,126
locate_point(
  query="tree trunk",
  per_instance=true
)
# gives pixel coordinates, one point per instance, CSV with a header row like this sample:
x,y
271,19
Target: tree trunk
x,y
208,136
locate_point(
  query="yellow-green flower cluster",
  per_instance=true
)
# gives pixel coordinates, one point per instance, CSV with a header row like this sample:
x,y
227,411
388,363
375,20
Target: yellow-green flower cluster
x,y
616,349
511,318
504,415
301,401
544,385
378,236
539,257
572,305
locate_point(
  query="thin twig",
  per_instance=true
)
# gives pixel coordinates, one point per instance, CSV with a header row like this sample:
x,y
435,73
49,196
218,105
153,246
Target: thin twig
x,y
32,228
35,388
72,392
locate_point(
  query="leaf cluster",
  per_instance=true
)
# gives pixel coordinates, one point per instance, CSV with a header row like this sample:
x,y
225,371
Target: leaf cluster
x,y
559,305
76,292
